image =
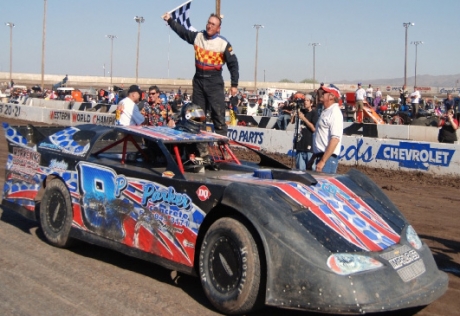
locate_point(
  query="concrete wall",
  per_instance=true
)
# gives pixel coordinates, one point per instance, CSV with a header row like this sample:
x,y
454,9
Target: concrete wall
x,y
393,154
54,115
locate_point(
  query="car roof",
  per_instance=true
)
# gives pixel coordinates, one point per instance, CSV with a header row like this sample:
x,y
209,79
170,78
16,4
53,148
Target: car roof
x,y
170,135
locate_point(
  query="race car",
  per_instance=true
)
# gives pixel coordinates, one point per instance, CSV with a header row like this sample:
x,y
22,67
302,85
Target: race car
x,y
254,233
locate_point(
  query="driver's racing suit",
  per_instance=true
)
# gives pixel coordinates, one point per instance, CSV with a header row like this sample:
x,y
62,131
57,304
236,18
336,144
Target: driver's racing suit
x,y
211,53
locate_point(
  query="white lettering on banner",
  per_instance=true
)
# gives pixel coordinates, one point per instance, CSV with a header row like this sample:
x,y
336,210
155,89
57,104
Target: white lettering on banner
x,y
409,155
415,155
245,136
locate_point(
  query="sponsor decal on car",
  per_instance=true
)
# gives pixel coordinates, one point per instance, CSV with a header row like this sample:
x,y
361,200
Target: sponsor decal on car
x,y
203,193
58,165
168,174
25,162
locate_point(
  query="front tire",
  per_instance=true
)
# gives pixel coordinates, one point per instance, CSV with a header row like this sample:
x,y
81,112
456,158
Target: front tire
x,y
229,267
56,214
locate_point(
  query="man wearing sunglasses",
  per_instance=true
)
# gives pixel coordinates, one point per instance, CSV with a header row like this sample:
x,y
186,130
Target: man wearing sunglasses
x,y
152,109
328,133
212,51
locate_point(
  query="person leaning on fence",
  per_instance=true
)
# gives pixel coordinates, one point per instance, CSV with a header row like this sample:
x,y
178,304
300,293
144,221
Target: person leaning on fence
x,y
284,116
328,134
449,126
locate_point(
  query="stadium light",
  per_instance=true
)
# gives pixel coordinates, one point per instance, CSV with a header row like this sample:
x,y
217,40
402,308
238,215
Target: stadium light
x,y
139,20
11,25
416,43
406,26
43,46
257,27
314,61
111,37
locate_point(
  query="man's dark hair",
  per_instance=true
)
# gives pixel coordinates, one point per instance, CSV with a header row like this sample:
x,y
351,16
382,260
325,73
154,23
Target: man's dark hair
x,y
154,88
213,15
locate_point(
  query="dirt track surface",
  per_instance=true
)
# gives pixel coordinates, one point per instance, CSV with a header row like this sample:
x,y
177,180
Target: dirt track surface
x,y
38,279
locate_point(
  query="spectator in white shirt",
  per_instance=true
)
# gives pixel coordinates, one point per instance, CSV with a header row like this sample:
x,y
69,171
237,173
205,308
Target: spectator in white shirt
x,y
415,100
328,133
360,95
369,94
127,112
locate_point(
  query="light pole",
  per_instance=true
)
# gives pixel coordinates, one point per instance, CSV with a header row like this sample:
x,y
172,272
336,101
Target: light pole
x,y
416,43
257,27
406,26
11,25
314,61
43,47
218,7
139,20
111,37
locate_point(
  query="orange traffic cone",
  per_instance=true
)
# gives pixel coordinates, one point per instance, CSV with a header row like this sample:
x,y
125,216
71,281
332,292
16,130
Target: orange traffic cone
x,y
359,117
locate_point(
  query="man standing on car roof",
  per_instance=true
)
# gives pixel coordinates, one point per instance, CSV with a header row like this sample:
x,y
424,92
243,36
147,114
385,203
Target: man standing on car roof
x,y
328,133
212,51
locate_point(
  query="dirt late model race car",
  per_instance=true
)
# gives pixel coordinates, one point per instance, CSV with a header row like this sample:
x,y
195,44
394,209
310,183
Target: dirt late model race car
x,y
254,233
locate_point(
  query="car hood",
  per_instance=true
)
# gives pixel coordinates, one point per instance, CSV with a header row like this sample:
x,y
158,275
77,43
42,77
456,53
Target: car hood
x,y
344,213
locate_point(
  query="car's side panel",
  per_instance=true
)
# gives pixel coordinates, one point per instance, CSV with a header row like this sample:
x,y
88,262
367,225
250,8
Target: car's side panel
x,y
143,214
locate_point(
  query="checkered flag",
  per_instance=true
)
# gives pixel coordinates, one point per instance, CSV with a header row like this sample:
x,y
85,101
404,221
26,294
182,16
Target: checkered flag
x,y
181,15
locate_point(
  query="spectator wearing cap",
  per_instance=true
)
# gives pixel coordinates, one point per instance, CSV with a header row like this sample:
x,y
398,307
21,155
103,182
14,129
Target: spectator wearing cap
x,y
360,96
328,133
127,112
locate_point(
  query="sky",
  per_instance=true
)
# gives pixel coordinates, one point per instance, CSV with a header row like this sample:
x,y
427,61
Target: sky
x,y
360,40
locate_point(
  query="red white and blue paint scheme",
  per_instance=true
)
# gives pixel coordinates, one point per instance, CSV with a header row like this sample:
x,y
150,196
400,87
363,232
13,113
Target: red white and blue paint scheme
x,y
254,233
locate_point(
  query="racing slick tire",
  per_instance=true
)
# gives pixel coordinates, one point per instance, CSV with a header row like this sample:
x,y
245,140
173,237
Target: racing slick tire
x,y
56,214
230,268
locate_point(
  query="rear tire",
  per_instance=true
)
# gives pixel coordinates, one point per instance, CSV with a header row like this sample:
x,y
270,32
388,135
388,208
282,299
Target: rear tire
x,y
56,214
229,267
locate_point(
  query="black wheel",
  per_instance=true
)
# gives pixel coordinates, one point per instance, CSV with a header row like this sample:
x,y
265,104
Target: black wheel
x,y
56,214
229,267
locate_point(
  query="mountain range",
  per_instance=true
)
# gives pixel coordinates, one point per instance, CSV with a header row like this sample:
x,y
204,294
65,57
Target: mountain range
x,y
446,81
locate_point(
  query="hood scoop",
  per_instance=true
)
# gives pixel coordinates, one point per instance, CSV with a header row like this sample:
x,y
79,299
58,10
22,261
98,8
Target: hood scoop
x,y
287,175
